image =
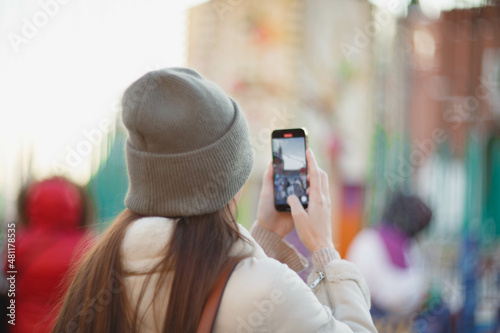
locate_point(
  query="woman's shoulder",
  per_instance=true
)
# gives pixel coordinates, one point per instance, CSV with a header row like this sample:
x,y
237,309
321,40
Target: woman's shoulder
x,y
257,277
144,243
264,295
260,266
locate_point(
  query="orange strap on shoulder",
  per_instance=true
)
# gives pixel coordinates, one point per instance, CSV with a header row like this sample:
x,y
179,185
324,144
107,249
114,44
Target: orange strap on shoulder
x,y
211,307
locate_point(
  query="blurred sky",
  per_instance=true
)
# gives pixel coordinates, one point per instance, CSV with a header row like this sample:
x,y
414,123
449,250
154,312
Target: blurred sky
x,y
293,150
64,77
68,76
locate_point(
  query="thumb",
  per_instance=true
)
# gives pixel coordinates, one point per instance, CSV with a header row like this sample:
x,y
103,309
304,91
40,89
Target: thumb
x,y
298,212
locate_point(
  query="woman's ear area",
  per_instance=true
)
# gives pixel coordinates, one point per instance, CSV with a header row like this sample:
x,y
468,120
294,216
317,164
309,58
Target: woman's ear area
x,y
236,199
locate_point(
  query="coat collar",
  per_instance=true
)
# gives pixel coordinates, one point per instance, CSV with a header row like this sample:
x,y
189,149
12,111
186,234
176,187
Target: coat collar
x,y
145,240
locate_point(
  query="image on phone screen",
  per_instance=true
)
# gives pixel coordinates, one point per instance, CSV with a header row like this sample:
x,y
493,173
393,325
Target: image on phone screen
x,y
290,170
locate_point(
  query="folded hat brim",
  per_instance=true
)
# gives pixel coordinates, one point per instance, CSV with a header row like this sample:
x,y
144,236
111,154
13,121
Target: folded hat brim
x,y
192,183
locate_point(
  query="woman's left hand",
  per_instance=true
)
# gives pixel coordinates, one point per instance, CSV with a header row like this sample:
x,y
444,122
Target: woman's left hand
x,y
281,223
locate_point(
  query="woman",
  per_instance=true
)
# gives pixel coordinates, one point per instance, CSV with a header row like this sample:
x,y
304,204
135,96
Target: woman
x,y
188,157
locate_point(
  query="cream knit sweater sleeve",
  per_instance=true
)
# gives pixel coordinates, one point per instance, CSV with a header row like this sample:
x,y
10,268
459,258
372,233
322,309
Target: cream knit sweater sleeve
x,y
343,293
277,248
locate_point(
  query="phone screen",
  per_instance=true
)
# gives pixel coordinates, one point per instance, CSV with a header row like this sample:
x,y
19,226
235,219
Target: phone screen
x,y
289,166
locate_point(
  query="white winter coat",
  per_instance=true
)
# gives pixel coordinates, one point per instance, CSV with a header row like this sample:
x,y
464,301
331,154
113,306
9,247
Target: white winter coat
x,y
262,295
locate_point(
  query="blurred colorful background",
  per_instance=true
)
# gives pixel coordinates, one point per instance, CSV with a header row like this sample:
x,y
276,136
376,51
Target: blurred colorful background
x,y
395,94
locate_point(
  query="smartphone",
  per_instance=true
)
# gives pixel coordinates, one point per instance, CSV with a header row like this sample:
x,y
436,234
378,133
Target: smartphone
x,y
289,166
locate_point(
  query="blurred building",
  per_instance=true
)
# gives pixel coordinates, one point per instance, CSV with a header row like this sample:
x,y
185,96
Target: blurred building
x,y
390,103
296,63
438,135
441,99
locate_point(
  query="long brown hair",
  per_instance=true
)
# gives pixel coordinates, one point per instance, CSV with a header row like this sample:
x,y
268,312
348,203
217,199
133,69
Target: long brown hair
x,y
197,252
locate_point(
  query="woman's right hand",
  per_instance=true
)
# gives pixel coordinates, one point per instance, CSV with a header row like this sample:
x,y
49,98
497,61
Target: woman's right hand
x,y
313,225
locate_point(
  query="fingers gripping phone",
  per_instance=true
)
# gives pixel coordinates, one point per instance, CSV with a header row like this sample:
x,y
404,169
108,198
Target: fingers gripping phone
x,y
289,166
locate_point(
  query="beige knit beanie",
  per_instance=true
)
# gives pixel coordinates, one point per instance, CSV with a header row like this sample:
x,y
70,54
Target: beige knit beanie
x,y
188,150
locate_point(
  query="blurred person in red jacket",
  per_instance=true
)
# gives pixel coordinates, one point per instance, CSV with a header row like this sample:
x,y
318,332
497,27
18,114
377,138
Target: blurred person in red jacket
x,y
51,235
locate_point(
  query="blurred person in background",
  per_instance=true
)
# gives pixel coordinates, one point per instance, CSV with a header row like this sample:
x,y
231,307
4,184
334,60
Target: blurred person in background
x,y
383,254
188,156
389,259
52,233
